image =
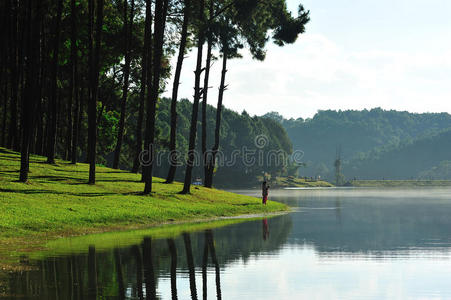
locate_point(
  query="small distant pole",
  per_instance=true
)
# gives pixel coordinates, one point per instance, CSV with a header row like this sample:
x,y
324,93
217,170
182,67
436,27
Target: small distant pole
x,y
337,164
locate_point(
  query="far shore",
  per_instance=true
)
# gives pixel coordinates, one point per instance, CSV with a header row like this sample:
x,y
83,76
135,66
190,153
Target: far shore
x,y
399,183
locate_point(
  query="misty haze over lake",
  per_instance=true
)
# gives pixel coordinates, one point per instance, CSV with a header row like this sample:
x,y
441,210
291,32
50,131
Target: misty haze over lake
x,y
343,243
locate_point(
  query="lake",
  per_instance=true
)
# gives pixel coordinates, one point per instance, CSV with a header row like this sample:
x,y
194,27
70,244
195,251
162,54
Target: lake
x,y
338,243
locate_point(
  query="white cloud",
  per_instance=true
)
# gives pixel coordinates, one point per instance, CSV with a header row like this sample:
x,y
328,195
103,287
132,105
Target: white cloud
x,y
315,73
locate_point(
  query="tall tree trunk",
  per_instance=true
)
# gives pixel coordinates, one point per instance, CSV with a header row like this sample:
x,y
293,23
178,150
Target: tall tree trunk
x,y
128,29
5,13
214,152
29,98
59,124
39,144
92,130
13,138
43,131
72,80
197,96
82,94
142,93
205,93
34,130
75,126
26,99
37,131
149,75
175,89
74,83
91,114
53,96
21,52
5,108
40,129
70,105
173,252
161,7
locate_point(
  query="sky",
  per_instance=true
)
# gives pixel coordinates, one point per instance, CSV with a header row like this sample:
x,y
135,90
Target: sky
x,y
355,54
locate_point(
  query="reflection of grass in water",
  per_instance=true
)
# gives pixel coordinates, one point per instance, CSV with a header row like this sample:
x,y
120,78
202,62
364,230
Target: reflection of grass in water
x,y
110,240
56,202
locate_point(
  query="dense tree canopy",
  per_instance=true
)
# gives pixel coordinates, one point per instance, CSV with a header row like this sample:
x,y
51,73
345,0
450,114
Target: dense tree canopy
x,y
82,79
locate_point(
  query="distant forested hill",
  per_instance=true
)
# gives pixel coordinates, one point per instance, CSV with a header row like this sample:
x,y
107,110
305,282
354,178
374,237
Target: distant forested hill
x,y
424,158
374,143
238,135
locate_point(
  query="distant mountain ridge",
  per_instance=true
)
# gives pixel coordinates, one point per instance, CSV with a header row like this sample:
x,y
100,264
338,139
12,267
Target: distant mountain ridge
x,y
423,158
374,143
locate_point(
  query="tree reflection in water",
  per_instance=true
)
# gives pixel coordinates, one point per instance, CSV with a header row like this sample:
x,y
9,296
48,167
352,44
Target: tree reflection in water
x,y
149,276
139,271
189,257
211,245
265,229
92,273
204,268
67,274
120,277
333,224
173,251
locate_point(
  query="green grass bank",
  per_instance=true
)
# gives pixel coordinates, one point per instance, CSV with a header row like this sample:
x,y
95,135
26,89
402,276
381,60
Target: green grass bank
x,y
57,202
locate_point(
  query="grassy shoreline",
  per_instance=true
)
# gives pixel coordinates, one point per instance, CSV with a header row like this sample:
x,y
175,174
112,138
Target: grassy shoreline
x,y
57,202
291,182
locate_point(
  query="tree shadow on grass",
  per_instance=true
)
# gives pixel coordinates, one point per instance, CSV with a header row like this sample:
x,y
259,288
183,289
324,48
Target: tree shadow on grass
x,y
65,179
32,161
115,172
74,171
7,151
72,180
42,162
36,191
97,172
58,178
133,194
11,158
119,180
79,194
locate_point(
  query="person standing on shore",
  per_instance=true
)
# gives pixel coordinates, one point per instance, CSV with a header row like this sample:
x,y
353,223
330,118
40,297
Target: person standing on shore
x,y
265,188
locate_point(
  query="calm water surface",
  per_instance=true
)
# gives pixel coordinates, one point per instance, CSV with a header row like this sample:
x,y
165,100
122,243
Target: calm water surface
x,y
337,244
